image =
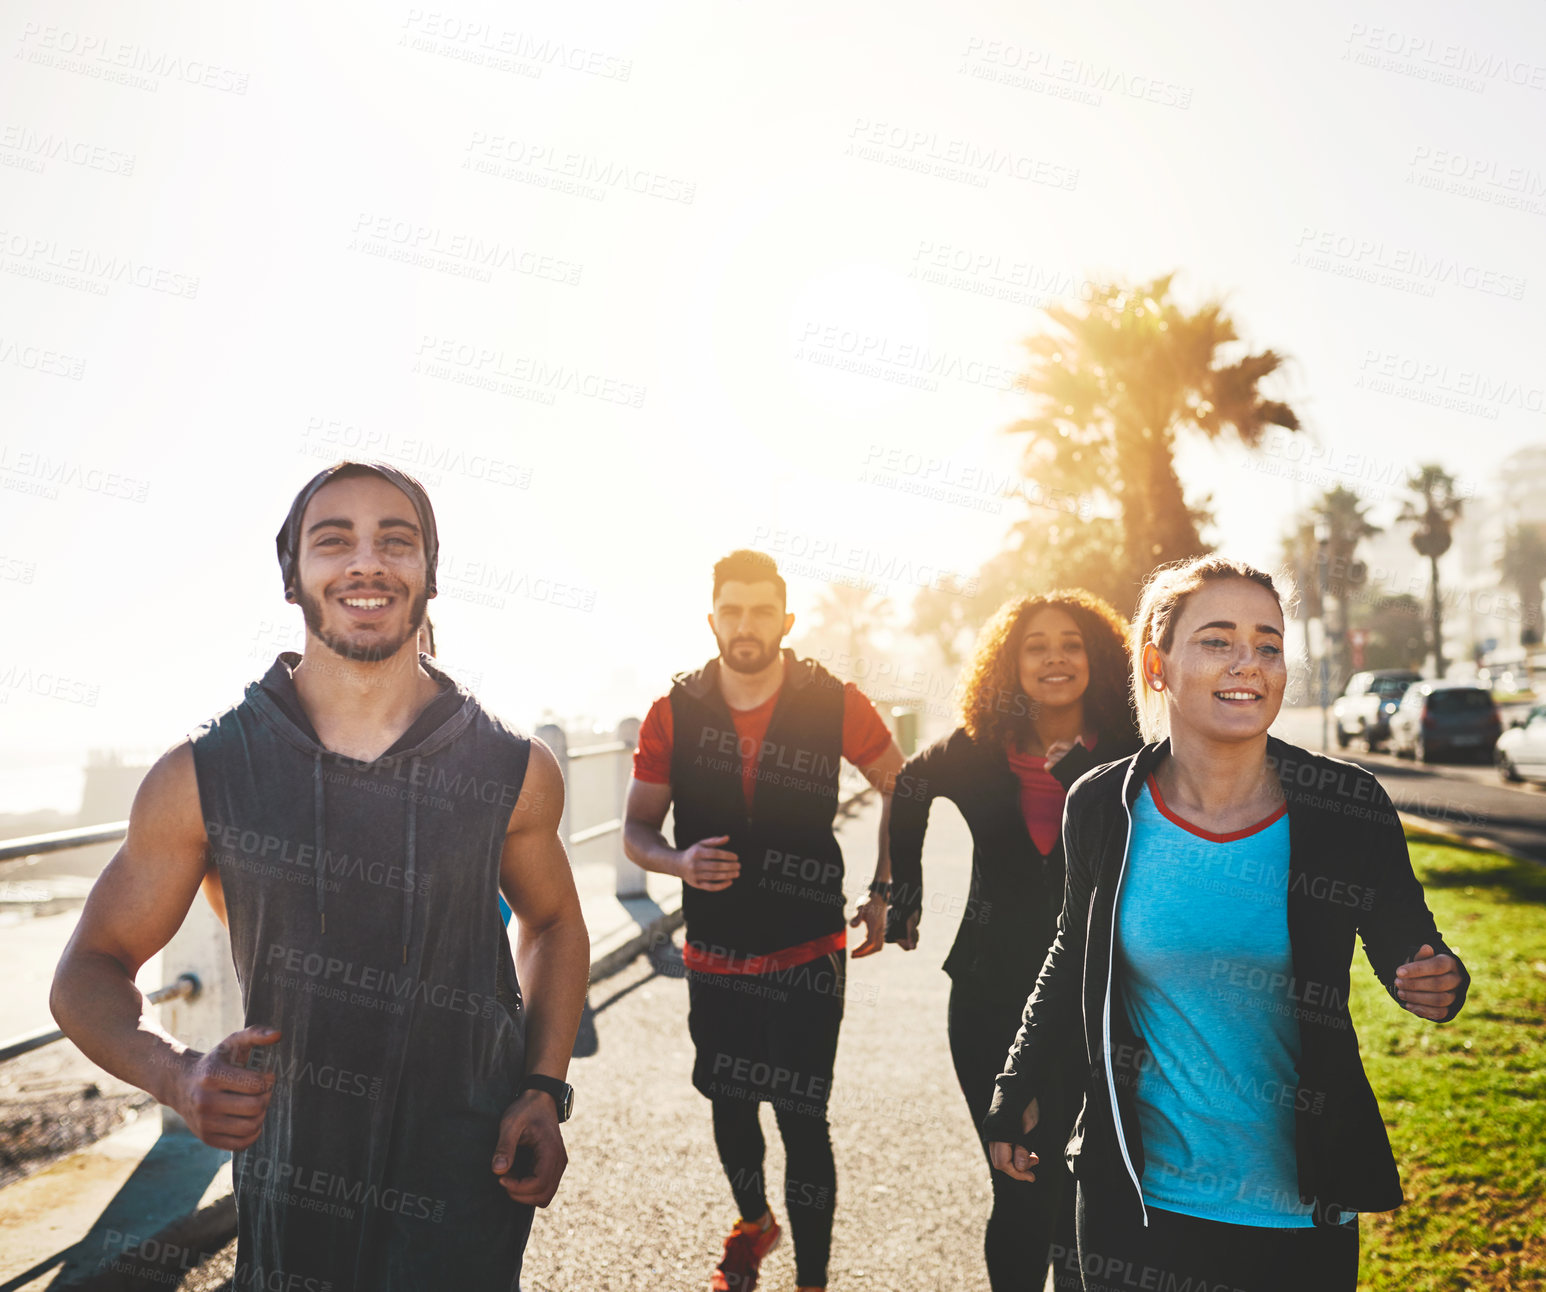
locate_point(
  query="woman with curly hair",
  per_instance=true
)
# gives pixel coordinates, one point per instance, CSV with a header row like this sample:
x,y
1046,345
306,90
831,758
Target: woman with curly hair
x,y
1045,699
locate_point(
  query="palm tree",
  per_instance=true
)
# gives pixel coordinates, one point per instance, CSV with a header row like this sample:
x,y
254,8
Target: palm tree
x,y
1523,564
1433,508
1341,514
1299,558
846,615
1114,384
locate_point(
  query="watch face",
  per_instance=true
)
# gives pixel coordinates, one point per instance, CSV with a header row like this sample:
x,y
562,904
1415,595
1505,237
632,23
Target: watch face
x,y
566,1104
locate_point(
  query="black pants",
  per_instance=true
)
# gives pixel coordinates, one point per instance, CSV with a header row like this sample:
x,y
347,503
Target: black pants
x,y
1116,1251
772,1038
810,1177
1030,1222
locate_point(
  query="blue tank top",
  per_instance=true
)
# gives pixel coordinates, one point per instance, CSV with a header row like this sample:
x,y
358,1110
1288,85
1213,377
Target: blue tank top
x,y
1207,980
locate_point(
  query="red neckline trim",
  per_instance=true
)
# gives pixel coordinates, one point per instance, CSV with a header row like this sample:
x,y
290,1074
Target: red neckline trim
x,y
1159,802
1036,760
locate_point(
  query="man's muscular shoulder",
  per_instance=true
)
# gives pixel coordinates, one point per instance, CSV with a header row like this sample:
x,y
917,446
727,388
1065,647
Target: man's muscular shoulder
x,y
167,801
541,804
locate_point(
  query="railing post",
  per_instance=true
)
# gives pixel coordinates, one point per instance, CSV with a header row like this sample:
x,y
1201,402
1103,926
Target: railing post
x,y
630,878
555,738
202,947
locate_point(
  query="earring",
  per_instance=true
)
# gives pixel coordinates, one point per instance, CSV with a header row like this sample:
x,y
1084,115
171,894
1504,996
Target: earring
x,y
1158,683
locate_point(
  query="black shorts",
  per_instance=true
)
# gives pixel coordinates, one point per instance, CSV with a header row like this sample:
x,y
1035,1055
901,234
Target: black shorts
x,y
769,1037
1117,1251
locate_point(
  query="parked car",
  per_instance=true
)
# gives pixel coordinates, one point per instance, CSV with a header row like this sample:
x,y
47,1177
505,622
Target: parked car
x,y
1521,750
1436,718
1365,705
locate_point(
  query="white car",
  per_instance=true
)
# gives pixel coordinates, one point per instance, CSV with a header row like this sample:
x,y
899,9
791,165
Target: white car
x,y
1521,750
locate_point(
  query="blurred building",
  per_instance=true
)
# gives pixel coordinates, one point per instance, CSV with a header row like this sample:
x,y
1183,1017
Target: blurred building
x,y
1484,615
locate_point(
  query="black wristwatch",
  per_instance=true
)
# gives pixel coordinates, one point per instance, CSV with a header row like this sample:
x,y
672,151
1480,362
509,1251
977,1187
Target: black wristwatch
x,y
881,888
562,1092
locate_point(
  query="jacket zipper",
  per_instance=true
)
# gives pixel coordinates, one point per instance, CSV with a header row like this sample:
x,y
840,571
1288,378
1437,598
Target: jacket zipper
x,y
1111,1084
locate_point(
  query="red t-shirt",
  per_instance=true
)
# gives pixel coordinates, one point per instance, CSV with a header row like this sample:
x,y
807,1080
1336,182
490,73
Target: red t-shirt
x,y
1041,797
865,737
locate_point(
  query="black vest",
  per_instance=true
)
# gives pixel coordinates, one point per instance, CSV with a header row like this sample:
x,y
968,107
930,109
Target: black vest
x,y
790,889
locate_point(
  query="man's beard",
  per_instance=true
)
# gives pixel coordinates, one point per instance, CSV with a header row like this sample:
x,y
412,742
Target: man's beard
x,y
311,612
765,656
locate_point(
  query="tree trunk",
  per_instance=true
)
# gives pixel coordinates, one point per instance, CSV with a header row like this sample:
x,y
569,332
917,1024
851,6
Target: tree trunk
x,y
1529,612
1437,616
1157,528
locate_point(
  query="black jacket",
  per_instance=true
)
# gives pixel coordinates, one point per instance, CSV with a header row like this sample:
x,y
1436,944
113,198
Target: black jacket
x,y
1349,875
1009,916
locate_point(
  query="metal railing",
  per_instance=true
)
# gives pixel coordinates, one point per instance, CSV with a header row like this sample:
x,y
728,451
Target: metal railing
x,y
187,987
203,946
597,808
31,848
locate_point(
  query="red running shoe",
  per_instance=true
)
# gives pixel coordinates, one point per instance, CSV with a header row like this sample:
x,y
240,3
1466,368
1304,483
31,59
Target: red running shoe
x,y
748,1243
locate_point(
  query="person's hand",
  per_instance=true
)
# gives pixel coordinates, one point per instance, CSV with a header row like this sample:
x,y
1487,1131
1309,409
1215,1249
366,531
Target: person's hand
x,y
222,1100
908,940
1058,748
707,866
1016,1159
1426,984
530,1123
871,914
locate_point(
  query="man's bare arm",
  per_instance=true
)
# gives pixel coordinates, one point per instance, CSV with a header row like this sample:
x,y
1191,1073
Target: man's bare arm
x,y
705,865
553,949
214,894
136,905
882,774
643,815
553,964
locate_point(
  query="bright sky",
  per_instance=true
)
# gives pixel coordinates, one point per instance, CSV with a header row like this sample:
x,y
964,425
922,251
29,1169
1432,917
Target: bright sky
x,y
237,245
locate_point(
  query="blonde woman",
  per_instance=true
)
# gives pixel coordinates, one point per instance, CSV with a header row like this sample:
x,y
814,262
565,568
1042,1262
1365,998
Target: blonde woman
x,y
1045,699
1217,883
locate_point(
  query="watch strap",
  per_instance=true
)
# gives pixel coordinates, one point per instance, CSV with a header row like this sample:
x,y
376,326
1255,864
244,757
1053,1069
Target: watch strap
x,y
562,1091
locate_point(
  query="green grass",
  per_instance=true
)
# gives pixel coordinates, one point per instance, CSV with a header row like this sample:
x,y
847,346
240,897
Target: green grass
x,y
1465,1102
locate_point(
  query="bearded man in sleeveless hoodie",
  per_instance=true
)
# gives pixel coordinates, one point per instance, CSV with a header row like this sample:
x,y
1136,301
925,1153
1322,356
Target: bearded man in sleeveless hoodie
x,y
354,819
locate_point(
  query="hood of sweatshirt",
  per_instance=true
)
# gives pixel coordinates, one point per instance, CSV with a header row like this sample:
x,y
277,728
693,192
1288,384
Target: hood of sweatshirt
x,y
275,699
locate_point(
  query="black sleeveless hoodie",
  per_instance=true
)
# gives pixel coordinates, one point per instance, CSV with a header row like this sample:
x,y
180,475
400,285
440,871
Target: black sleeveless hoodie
x,y
363,911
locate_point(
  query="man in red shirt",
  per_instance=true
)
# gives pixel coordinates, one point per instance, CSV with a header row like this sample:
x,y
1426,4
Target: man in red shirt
x,y
747,749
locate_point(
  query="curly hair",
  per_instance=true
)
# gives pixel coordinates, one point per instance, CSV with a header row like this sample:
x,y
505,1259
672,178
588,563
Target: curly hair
x,y
1159,609
994,708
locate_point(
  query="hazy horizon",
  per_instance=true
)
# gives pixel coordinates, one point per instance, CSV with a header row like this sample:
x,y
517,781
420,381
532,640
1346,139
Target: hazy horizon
x,y
628,289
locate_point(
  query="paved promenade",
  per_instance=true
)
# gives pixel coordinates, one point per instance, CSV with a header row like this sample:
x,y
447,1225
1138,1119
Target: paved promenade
x,y
645,1204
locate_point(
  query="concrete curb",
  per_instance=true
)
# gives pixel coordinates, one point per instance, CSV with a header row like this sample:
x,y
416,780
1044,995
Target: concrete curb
x,y
652,921
1476,841
170,1255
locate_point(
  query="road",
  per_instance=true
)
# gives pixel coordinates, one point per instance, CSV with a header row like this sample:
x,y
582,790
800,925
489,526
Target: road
x,y
1468,798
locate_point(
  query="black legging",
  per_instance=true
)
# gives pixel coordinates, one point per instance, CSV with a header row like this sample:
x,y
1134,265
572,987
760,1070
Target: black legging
x,y
810,1177
1117,1252
1030,1223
